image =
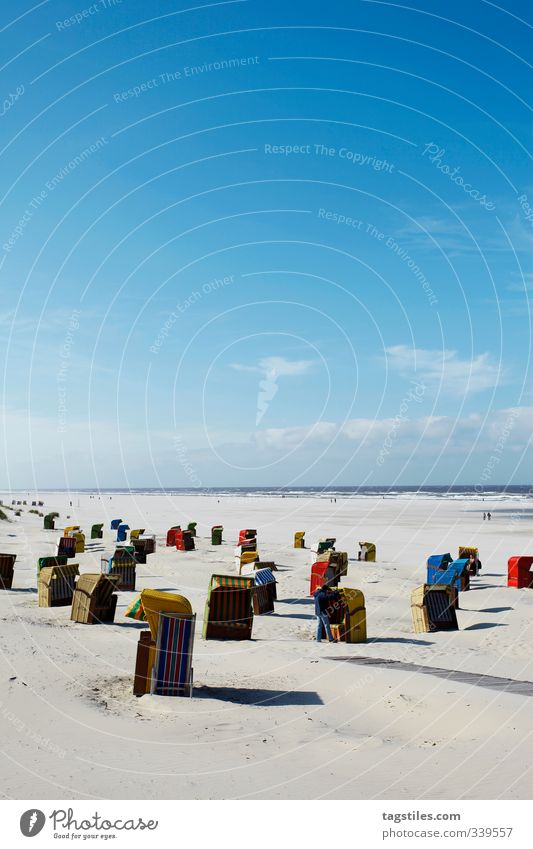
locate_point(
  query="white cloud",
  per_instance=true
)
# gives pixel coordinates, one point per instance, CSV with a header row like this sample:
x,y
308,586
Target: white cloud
x,y
444,369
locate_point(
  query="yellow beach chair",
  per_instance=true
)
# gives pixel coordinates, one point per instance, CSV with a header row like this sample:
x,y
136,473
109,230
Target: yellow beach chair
x,y
348,619
299,541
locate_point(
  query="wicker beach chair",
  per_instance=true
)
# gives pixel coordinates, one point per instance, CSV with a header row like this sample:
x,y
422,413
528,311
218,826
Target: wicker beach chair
x,y
94,600
122,532
367,552
7,570
340,559
49,521
114,524
433,609
123,564
149,542
184,541
519,574
325,544
228,611
323,573
467,552
171,535
192,528
136,533
80,541
245,559
55,585
154,603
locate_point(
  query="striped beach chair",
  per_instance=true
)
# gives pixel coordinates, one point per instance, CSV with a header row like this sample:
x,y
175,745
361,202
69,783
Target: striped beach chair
x,y
55,585
94,599
265,591
97,531
228,611
123,564
172,673
433,609
149,542
7,570
153,603
66,547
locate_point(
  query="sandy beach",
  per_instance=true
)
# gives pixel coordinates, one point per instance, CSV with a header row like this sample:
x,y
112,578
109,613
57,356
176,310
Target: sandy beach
x,y
279,716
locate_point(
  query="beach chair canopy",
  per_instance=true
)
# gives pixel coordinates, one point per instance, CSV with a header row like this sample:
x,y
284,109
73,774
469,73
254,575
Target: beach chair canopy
x,y
519,572
439,561
115,523
135,533
192,527
247,534
465,551
122,532
264,576
155,602
58,560
70,529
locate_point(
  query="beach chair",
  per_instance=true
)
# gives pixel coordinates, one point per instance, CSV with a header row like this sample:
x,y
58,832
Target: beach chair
x,y
154,603
123,564
80,541
172,673
265,564
71,529
216,535
367,552
248,539
135,534
184,541
66,547
432,609
97,531
340,559
325,544
347,616
299,541
139,548
466,552
228,610
55,585
323,573
115,523
244,559
171,535
192,528
49,521
519,572
451,576
462,568
7,570
48,562
149,542
122,532
94,600
264,594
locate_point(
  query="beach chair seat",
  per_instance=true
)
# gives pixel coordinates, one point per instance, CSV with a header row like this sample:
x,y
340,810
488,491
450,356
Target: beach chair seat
x,y
433,609
216,535
136,533
7,570
192,528
228,611
299,541
264,594
153,603
519,574
114,524
94,600
172,673
184,541
55,585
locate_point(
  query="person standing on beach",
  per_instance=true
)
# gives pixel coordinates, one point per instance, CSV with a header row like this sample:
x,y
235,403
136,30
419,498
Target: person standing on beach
x,y
489,516
484,516
322,601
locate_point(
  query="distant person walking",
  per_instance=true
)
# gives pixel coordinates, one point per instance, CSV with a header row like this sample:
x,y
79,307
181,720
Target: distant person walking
x,y
489,517
322,602
484,516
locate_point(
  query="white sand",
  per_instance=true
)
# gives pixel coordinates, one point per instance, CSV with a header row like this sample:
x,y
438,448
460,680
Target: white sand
x,y
278,716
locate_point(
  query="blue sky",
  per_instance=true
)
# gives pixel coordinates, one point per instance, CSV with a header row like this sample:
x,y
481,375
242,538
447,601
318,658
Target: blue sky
x,y
266,243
